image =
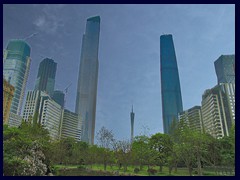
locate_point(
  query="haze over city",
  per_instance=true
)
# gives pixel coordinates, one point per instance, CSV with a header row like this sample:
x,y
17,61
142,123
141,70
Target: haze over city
x,y
129,53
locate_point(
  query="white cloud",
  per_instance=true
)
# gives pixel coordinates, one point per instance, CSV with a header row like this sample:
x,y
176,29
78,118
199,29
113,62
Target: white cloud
x,y
40,22
49,21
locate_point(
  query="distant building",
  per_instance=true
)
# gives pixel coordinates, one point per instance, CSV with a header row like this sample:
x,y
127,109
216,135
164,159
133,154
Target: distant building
x,y
193,117
8,92
170,84
132,124
218,109
58,97
46,76
71,125
32,104
15,70
225,69
14,120
51,117
41,108
87,79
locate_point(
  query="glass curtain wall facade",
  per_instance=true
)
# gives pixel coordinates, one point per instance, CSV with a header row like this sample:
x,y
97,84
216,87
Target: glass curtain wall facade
x,y
170,84
58,97
225,69
16,69
88,78
46,76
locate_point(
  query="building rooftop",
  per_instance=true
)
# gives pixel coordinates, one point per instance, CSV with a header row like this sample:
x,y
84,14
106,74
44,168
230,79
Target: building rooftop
x,y
94,19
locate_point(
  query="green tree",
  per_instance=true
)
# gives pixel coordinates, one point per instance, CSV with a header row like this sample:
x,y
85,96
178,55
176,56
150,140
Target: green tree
x,y
142,154
163,145
123,153
23,148
105,140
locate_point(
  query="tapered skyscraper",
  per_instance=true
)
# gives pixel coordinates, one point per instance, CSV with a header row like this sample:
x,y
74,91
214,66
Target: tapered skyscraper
x,y
170,84
88,78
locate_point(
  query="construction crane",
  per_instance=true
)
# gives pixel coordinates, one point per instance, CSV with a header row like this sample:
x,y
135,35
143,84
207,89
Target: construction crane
x,y
30,36
65,92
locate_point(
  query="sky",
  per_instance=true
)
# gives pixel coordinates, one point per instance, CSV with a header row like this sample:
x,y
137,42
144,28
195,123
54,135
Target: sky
x,y
129,53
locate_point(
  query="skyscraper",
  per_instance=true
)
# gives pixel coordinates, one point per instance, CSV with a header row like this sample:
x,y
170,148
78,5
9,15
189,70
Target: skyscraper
x,y
132,124
16,69
88,78
170,84
46,76
225,69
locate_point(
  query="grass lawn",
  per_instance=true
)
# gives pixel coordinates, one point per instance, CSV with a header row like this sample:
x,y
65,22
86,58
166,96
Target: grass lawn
x,y
97,169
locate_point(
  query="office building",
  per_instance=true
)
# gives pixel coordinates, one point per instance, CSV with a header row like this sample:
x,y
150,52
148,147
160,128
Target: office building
x,y
71,125
88,79
14,120
170,84
225,69
16,69
218,109
192,117
51,116
40,108
46,76
58,97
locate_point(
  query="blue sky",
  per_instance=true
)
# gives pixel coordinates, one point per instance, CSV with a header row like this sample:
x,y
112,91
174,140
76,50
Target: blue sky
x,y
129,53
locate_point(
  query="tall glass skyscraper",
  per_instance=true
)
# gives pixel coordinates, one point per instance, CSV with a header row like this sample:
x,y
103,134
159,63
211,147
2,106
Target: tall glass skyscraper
x,y
170,84
88,78
225,69
46,76
16,69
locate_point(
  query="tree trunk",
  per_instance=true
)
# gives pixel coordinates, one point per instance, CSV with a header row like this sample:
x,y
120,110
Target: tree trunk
x,y
160,168
199,166
170,169
125,168
190,170
105,166
175,167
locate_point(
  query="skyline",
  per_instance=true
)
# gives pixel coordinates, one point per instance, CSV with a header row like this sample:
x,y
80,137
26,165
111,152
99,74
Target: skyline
x,y
129,53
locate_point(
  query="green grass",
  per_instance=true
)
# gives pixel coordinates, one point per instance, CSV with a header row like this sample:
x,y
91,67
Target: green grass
x,y
98,169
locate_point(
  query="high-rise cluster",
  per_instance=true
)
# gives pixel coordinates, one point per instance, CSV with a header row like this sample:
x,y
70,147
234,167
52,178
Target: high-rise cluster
x,y
45,105
216,115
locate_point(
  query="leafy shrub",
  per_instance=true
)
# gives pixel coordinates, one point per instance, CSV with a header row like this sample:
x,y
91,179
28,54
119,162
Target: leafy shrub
x,y
151,171
136,170
81,167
